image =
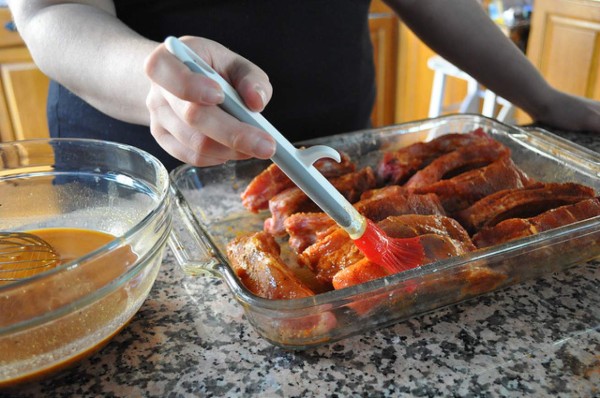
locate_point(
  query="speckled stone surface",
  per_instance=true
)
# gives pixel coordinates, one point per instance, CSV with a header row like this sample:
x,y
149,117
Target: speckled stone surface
x,y
190,338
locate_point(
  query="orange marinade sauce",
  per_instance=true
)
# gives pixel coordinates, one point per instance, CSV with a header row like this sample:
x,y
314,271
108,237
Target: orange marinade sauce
x,y
70,244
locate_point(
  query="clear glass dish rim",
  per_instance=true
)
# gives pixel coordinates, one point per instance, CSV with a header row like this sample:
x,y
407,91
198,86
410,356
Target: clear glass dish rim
x,y
334,298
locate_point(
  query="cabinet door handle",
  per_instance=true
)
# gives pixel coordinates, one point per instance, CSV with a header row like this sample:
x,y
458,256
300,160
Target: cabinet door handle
x,y
10,26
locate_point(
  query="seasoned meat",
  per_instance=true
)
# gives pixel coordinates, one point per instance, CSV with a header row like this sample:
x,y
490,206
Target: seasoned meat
x,y
361,271
460,192
397,166
515,228
521,203
457,162
293,200
380,206
328,255
272,181
337,251
410,225
256,260
437,247
305,228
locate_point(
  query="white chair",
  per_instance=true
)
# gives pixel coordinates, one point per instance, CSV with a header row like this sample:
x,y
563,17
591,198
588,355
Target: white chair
x,y
493,105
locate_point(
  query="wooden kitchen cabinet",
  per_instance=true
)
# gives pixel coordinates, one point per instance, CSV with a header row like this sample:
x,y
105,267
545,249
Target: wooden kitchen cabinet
x,y
384,25
415,79
564,44
23,88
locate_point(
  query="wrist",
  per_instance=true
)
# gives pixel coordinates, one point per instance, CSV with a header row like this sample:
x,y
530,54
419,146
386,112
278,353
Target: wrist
x,y
543,103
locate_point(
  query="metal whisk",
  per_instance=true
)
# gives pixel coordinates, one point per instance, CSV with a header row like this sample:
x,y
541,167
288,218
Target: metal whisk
x,y
23,255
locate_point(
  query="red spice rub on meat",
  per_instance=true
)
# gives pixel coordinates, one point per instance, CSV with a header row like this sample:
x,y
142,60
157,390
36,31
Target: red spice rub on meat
x,y
293,200
305,229
515,228
457,162
397,166
460,192
256,261
521,203
272,181
441,237
391,201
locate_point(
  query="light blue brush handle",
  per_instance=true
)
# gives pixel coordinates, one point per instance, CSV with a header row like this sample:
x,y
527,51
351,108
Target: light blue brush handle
x,y
296,163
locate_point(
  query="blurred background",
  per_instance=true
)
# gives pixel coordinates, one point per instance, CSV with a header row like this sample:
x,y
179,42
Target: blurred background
x,y
559,37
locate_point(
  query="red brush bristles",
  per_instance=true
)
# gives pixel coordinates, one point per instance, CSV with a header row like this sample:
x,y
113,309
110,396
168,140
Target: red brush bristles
x,y
394,254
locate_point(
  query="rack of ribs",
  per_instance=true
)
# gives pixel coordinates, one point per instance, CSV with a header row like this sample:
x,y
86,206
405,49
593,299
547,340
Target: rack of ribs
x,y
463,190
293,200
396,167
305,229
272,181
521,203
441,236
458,193
514,228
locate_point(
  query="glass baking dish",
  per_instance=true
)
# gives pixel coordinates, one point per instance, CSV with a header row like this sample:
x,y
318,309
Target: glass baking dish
x,y
209,214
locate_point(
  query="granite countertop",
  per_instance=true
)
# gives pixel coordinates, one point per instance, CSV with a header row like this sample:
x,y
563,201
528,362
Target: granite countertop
x,y
190,338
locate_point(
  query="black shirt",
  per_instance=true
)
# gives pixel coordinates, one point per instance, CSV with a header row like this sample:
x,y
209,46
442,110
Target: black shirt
x,y
318,56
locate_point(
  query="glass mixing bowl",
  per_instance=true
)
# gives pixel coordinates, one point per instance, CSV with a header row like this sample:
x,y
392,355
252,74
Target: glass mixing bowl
x,y
80,187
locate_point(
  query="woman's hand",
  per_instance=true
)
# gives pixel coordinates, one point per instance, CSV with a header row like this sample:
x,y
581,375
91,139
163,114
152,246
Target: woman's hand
x,y
184,117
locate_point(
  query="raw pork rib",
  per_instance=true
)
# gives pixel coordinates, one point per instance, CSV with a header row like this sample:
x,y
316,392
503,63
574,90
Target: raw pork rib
x,y
256,261
392,202
333,252
521,203
306,228
457,162
397,166
293,200
460,192
272,181
515,228
442,237
336,251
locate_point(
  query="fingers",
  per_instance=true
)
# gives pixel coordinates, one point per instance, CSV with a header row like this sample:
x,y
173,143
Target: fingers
x,y
184,118
205,135
252,84
182,152
168,72
249,80
223,128
186,143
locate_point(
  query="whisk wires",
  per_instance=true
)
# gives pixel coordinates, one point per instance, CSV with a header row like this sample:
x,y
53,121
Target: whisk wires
x,y
23,255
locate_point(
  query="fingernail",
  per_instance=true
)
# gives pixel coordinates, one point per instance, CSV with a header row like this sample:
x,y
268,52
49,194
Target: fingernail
x,y
262,93
214,96
264,148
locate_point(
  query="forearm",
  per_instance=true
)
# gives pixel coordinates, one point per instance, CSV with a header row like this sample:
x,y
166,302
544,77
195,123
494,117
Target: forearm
x,y
461,32
88,50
